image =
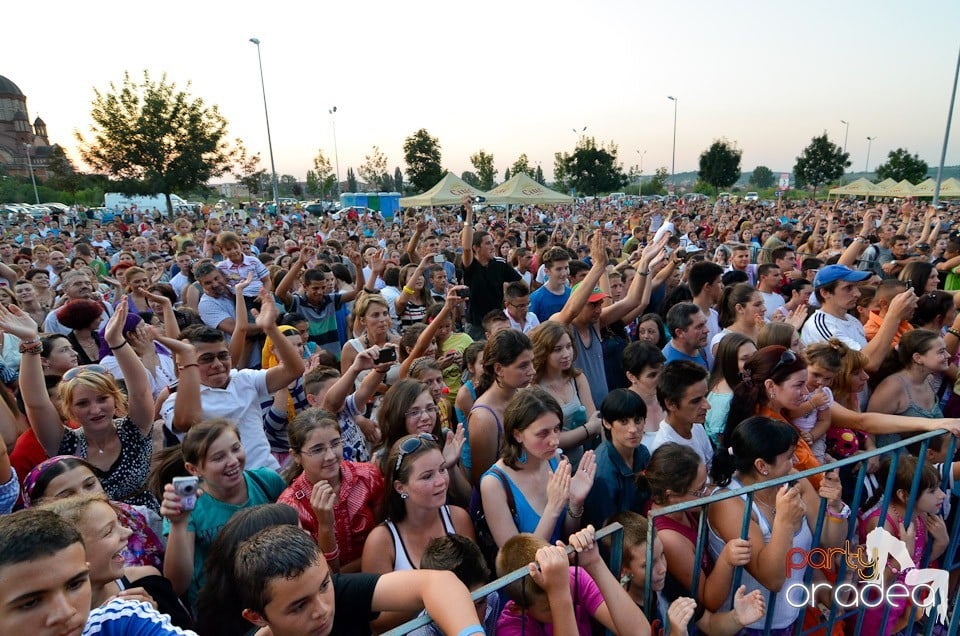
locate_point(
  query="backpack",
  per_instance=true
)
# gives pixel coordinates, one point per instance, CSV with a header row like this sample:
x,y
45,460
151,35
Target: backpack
x,y
488,546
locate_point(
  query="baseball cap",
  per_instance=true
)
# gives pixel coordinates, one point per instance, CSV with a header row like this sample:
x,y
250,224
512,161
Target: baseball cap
x,y
833,273
597,295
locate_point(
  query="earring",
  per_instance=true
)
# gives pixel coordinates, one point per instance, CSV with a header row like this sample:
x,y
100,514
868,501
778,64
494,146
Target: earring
x,y
764,473
625,580
523,456
404,495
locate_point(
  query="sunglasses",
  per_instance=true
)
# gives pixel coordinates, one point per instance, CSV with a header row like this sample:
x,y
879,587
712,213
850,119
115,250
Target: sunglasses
x,y
787,358
87,368
412,445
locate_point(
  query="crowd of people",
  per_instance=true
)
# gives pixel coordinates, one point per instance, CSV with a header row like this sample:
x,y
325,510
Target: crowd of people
x,y
259,422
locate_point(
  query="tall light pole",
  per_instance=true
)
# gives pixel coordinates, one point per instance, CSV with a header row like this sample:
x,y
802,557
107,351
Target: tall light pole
x,y
946,134
336,154
846,132
640,180
866,167
273,169
36,194
578,133
673,156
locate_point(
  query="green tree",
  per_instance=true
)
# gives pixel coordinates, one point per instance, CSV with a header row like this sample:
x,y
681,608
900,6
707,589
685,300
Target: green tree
x,y
372,169
483,163
398,180
421,152
762,177
313,184
351,181
248,172
702,187
506,175
470,178
386,182
592,169
62,175
522,164
538,177
902,165
297,190
821,162
326,179
720,164
656,184
155,138
287,181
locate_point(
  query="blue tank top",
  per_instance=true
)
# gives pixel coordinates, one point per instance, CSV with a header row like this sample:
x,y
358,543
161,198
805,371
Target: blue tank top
x,y
527,518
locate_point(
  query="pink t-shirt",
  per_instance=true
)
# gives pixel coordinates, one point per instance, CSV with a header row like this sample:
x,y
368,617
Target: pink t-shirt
x,y
586,600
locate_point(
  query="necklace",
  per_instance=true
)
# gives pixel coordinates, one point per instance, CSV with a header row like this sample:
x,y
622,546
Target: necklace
x,y
772,509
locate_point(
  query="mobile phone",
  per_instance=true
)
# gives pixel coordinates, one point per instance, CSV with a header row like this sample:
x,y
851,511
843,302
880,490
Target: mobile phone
x,y
479,199
439,258
792,483
387,354
463,293
186,489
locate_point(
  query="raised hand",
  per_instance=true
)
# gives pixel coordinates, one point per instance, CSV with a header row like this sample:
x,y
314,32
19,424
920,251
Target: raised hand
x,y
452,447
267,318
322,501
790,507
551,571
584,544
171,508
679,614
16,322
113,332
582,481
750,607
558,488
242,285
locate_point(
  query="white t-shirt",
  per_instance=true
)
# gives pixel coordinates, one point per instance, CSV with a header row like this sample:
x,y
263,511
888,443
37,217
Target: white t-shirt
x,y
240,403
699,441
822,326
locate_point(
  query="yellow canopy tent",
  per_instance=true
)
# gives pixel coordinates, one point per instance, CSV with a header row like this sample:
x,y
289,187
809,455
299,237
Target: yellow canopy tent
x,y
925,188
901,190
886,184
521,189
950,187
449,191
862,187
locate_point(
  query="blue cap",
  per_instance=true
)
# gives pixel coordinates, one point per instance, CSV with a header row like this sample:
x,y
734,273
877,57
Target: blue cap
x,y
833,273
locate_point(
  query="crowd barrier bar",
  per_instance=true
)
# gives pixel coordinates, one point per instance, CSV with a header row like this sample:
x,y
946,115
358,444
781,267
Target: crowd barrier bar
x,y
948,559
616,555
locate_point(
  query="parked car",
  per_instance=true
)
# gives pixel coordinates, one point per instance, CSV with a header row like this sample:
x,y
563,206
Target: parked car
x,y
751,196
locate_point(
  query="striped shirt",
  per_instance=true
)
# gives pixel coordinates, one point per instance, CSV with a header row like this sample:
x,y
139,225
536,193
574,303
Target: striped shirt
x,y
822,326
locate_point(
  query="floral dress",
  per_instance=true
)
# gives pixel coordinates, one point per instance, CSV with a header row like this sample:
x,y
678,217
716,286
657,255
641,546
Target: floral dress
x,y
126,480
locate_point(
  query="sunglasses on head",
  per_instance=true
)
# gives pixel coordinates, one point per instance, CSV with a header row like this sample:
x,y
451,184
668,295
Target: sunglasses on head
x,y
787,358
87,368
412,445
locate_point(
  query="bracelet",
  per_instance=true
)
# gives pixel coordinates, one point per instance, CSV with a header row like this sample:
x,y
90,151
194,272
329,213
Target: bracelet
x,y
642,273
473,629
574,515
188,365
119,346
371,291
954,332
332,555
587,431
835,519
31,348
408,291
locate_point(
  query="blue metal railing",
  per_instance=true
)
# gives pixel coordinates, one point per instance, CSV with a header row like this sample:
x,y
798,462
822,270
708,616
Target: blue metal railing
x,y
948,559
616,556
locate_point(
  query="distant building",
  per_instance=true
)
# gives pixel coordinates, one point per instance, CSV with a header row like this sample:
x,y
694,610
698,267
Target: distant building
x,y
18,136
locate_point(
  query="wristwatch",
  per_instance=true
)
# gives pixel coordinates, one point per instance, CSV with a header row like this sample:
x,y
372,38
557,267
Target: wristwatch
x,y
843,514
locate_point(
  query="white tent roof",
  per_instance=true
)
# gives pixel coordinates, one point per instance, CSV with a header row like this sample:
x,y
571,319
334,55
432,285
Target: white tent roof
x,y
521,189
449,191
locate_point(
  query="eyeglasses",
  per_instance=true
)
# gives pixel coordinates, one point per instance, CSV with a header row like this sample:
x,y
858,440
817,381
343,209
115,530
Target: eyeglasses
x,y
788,357
320,449
519,305
208,358
87,368
412,445
416,413
699,492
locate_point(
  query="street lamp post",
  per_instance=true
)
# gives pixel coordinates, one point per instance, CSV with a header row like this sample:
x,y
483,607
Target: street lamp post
x,y
846,132
673,156
36,194
640,178
273,169
336,154
866,167
946,134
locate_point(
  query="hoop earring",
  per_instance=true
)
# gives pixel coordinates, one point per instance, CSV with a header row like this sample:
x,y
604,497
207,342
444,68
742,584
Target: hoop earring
x,y
404,495
522,458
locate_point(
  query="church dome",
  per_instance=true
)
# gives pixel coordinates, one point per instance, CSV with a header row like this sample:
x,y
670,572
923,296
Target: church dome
x,y
9,88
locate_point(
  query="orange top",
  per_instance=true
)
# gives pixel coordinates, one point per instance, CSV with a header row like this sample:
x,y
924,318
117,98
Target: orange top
x,y
873,326
805,457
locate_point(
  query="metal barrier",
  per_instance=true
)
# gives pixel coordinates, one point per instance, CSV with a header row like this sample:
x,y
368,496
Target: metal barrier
x,y
616,555
949,560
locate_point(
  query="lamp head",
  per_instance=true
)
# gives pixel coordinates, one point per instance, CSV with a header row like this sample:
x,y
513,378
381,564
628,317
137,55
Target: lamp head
x,y
255,41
